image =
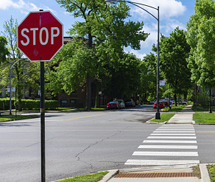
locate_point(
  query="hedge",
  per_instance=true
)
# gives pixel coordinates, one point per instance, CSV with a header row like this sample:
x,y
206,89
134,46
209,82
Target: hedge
x,y
27,104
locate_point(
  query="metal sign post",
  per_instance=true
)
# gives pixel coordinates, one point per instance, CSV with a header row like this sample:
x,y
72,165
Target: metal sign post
x,y
42,121
40,37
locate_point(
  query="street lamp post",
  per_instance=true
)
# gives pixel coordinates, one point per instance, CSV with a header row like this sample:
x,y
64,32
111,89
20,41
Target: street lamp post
x,y
10,68
108,2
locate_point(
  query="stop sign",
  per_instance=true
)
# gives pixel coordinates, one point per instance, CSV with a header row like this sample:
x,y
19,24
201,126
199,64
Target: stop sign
x,y
40,36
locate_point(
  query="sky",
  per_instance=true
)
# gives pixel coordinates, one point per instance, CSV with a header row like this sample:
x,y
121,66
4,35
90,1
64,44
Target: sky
x,y
173,13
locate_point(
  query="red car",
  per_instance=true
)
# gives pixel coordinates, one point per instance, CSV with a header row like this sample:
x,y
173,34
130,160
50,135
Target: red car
x,y
113,105
161,104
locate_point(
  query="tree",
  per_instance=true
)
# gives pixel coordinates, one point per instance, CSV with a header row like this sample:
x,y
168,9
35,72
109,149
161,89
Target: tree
x,y
3,49
201,37
124,82
149,76
105,33
25,72
174,51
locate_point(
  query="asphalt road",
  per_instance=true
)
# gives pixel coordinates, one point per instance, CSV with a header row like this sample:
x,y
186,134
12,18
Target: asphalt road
x,y
82,143
76,143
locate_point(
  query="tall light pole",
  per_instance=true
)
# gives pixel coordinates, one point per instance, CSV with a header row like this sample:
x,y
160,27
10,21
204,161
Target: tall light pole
x,y
10,68
108,2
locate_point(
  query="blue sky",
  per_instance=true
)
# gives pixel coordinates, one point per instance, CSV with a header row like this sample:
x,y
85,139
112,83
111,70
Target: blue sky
x,y
173,13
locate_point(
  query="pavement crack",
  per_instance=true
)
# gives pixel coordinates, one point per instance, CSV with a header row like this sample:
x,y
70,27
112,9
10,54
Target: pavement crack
x,y
91,145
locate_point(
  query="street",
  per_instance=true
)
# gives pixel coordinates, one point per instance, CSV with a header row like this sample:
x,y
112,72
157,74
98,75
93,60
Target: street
x,y
86,142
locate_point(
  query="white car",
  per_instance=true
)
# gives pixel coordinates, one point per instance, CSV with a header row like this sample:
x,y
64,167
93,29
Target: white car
x,y
121,103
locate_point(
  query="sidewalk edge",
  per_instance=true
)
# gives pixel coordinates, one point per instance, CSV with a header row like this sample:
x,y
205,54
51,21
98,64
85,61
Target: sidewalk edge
x,y
204,173
109,175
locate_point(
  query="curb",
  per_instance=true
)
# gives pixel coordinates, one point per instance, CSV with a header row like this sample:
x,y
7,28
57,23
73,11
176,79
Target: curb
x,y
109,175
203,170
204,173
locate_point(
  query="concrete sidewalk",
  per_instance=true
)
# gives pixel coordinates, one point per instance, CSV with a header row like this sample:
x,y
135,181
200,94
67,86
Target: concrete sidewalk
x,y
183,117
126,175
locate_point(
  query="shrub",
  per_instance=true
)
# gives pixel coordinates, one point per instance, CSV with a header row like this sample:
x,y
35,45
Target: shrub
x,y
28,104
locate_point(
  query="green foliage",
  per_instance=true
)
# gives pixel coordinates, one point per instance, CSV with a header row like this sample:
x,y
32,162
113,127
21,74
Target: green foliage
x,y
28,104
211,170
164,117
5,103
86,178
97,46
23,72
126,80
201,37
174,51
19,117
148,78
3,50
177,108
202,98
204,118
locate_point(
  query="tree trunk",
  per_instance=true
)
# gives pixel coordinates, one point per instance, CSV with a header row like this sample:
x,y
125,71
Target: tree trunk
x,y
175,99
97,96
88,93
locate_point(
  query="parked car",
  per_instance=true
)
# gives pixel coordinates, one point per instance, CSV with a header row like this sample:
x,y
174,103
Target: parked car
x,y
152,101
137,102
183,102
165,101
129,103
113,105
180,101
161,104
121,103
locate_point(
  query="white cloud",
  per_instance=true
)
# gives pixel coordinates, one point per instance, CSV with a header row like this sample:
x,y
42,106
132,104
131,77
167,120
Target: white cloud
x,y
152,38
136,53
168,8
24,7
5,4
171,24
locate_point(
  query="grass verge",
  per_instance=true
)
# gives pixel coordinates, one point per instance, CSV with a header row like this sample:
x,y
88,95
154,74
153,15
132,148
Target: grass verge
x,y
86,178
174,108
204,118
177,108
196,171
13,118
211,171
164,117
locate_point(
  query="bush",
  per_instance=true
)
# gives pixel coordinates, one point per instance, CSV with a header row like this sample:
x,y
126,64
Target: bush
x,y
28,104
190,102
5,103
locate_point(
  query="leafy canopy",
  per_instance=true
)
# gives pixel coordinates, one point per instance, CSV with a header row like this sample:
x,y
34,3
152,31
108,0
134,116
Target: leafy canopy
x,y
3,49
201,38
173,54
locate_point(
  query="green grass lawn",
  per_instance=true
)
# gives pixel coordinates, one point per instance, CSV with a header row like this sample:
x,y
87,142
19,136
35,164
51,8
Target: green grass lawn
x,y
174,108
204,118
13,118
164,117
86,178
211,170
177,108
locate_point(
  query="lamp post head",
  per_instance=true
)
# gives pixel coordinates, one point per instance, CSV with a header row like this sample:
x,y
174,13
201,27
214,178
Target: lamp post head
x,y
108,2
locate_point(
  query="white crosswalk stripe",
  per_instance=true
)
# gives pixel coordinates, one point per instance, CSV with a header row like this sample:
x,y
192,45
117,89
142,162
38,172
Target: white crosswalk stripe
x,y
170,137
160,162
168,141
149,153
166,146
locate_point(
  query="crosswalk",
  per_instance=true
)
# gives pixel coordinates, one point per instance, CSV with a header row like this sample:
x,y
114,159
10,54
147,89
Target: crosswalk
x,y
168,145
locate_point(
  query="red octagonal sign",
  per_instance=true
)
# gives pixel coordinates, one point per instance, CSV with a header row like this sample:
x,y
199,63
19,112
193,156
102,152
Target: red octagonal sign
x,y
40,36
